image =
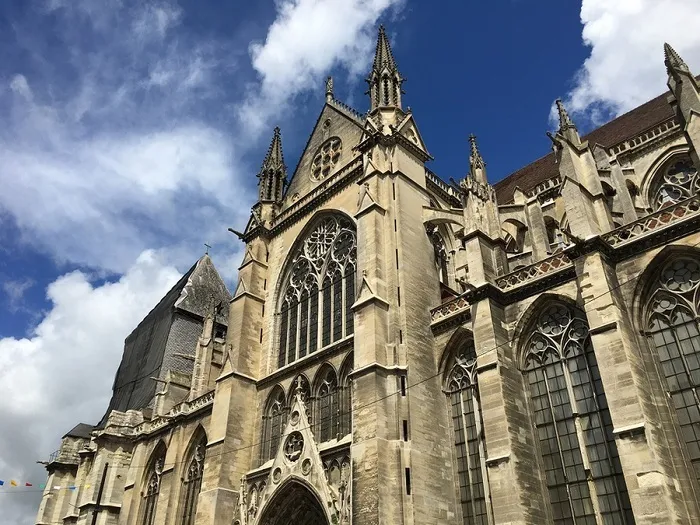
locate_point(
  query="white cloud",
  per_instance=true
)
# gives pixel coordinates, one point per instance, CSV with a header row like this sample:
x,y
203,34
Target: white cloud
x,y
307,39
62,374
626,63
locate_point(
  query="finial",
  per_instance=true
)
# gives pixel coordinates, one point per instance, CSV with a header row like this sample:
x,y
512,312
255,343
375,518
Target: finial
x,y
673,60
207,247
477,166
329,88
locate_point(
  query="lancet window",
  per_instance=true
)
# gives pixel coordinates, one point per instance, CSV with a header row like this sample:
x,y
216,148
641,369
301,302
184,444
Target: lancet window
x,y
346,397
319,291
274,421
328,406
470,453
572,421
677,181
152,489
673,330
192,482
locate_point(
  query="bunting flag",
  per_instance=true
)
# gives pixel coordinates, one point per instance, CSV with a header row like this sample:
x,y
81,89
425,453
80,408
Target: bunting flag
x,y
1,483
13,483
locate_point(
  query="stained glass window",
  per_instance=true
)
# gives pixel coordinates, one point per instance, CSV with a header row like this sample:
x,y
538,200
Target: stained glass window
x,y
325,261
572,422
192,483
327,400
150,496
468,440
326,159
273,425
673,329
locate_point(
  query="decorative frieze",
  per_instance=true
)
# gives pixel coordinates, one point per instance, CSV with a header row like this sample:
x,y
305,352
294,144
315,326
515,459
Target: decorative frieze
x,y
553,264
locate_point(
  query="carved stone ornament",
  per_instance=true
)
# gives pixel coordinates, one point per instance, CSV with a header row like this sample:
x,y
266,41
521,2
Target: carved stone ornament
x,y
294,446
294,420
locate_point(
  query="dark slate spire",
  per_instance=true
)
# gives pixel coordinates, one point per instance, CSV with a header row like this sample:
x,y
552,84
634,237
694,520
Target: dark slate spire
x,y
477,166
273,173
384,80
567,129
673,60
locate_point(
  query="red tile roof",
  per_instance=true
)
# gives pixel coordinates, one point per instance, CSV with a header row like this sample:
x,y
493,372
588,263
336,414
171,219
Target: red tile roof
x,y
623,127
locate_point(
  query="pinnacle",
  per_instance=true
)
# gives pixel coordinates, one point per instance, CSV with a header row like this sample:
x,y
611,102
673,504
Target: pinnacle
x,y
383,56
274,158
673,60
565,121
475,158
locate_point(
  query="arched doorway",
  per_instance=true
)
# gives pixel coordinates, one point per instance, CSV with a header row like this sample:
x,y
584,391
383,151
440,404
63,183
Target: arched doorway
x,y
294,504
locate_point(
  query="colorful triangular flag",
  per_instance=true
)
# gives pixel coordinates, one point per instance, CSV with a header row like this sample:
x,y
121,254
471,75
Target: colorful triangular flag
x,y
13,483
1,483
42,486
57,487
28,485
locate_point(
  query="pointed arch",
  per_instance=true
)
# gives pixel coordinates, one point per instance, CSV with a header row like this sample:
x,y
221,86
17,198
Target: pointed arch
x,y
327,401
295,501
345,381
151,484
670,321
571,417
274,420
318,280
192,476
460,384
655,171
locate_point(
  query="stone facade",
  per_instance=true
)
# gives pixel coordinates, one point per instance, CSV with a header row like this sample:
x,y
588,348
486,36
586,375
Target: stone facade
x,y
405,351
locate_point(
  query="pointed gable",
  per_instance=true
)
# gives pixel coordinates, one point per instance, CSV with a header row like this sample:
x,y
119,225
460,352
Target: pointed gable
x,y
336,121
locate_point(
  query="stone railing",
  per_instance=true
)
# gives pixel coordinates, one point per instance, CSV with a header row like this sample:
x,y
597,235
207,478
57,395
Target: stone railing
x,y
437,181
545,186
645,137
316,192
458,304
182,409
653,222
542,268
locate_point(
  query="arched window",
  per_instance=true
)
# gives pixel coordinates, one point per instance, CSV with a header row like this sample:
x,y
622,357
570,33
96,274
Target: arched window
x,y
273,424
192,482
346,396
327,401
326,158
673,330
322,278
468,441
152,489
572,421
677,180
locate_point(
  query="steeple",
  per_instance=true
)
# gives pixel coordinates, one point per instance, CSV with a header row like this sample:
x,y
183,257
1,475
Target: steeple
x,y
674,62
477,166
273,173
384,80
567,129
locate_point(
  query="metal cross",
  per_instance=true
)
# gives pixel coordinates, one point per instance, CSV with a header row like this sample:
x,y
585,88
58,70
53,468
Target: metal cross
x,y
207,251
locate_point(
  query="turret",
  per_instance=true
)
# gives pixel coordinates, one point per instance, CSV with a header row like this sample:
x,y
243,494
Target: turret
x,y
273,173
685,98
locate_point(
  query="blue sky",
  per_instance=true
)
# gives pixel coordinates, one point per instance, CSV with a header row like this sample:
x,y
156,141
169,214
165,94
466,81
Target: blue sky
x,y
132,132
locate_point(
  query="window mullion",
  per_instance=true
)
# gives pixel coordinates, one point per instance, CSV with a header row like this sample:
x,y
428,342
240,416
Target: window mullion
x,y
343,293
556,434
466,447
482,454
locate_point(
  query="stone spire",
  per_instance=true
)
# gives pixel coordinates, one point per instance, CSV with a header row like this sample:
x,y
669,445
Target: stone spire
x,y
477,166
273,173
384,80
567,129
673,60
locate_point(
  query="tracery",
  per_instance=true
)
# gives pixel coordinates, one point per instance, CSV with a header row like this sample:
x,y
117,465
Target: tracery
x,y
673,330
678,181
321,281
572,421
192,483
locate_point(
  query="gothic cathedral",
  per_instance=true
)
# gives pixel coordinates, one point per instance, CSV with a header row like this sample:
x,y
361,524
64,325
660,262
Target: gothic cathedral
x,y
400,350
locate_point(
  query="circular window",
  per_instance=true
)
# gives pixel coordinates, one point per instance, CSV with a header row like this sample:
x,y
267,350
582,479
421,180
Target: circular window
x,y
326,159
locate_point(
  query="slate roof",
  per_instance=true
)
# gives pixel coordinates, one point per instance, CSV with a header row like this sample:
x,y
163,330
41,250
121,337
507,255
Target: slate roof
x,y
624,127
81,430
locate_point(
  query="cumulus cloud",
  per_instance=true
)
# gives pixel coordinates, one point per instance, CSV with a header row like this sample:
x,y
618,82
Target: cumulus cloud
x,y
62,373
625,67
14,290
307,39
